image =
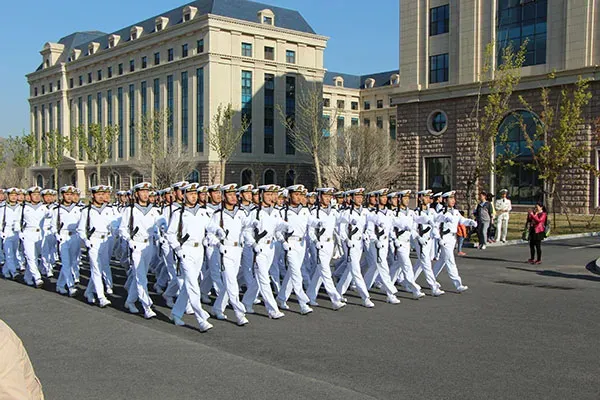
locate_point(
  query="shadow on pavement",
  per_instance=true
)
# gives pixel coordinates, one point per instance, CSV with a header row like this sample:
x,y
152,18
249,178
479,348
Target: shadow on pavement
x,y
556,274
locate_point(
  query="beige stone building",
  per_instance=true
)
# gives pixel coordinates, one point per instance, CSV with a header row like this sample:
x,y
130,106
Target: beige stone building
x,y
442,49
189,61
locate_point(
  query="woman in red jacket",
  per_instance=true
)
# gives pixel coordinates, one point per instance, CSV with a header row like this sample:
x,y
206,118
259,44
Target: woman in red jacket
x,y
536,218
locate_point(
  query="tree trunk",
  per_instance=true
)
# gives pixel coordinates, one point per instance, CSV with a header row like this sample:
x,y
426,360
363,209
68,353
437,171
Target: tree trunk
x,y
318,169
153,173
98,174
55,183
223,164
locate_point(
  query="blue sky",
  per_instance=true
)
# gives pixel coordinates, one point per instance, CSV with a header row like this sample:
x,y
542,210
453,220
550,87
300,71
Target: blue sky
x,y
363,37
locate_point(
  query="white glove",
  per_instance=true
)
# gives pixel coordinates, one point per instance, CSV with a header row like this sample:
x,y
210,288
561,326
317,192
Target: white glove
x,y
320,246
350,244
3,236
257,248
178,253
286,246
397,243
131,244
222,248
87,243
162,241
220,233
422,241
58,237
380,244
474,224
21,236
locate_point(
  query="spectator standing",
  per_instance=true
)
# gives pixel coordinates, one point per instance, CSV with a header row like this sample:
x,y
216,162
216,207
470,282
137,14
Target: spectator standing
x,y
461,234
536,219
483,215
503,209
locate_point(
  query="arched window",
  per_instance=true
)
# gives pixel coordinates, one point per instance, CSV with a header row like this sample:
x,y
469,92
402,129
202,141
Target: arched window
x,y
193,177
246,177
136,178
39,180
51,181
93,179
269,177
523,183
290,177
114,180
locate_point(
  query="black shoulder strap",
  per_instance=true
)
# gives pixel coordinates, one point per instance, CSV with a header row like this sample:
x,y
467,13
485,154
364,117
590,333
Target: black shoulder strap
x,y
23,217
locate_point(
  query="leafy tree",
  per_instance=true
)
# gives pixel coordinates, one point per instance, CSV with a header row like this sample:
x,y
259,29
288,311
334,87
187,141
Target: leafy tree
x,y
97,141
55,146
23,150
151,140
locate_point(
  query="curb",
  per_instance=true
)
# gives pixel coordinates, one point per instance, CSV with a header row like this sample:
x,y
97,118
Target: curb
x,y
551,238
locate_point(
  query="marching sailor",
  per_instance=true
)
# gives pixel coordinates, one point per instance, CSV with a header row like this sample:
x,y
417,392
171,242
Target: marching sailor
x,y
186,232
32,220
226,229
9,219
211,273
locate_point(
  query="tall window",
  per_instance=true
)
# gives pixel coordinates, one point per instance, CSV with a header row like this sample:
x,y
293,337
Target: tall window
x,y
156,58
354,122
200,46
193,177
170,55
144,93
99,73
120,121
170,136
269,177
439,20
200,110
523,183
367,105
247,49
120,68
184,50
109,108
184,110
50,118
341,141
379,103
131,120
379,122
144,62
247,110
269,141
290,177
326,125
438,68
131,65
99,108
109,72
393,127
269,53
156,94
58,118
438,174
90,116
290,57
246,176
520,21
290,112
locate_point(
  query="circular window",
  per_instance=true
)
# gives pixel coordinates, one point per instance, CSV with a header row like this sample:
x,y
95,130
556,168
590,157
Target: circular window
x,y
437,123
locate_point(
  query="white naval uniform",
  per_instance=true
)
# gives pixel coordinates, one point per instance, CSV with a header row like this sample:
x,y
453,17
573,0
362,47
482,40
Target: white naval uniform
x,y
247,252
401,267
380,221
323,219
193,222
449,220
174,282
95,222
64,221
502,219
297,219
9,220
427,231
49,245
354,246
227,228
33,217
211,272
264,220
142,245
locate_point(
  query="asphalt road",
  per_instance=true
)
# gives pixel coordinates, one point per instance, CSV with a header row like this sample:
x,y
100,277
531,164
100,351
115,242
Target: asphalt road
x,y
520,332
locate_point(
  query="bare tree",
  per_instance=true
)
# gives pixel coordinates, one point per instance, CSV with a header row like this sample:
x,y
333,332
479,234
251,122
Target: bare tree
x,y
151,139
171,167
55,146
555,145
496,86
23,153
308,128
223,136
97,141
366,157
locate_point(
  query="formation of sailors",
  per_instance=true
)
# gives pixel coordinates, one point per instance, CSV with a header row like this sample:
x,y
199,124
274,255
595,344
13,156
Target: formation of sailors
x,y
200,240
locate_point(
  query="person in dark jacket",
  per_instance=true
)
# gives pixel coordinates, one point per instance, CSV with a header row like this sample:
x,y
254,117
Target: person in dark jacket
x,y
536,218
483,215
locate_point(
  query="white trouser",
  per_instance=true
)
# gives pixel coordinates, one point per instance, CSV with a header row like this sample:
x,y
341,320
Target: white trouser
x,y
11,247
142,255
106,271
322,275
308,267
212,277
353,272
502,226
69,247
96,257
175,281
48,252
402,267
378,266
246,265
32,247
190,289
2,258
229,265
447,260
261,282
276,266
293,276
424,264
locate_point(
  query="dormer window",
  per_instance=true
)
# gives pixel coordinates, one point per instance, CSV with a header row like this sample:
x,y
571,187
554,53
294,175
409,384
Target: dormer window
x,y
189,13
135,32
338,81
47,63
113,40
370,83
93,47
75,54
266,17
161,23
395,79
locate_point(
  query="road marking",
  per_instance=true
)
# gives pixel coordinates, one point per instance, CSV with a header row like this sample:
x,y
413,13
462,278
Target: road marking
x,y
584,247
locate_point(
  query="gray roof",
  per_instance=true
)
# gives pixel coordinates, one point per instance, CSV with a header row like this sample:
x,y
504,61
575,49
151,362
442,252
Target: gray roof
x,y
239,9
358,81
